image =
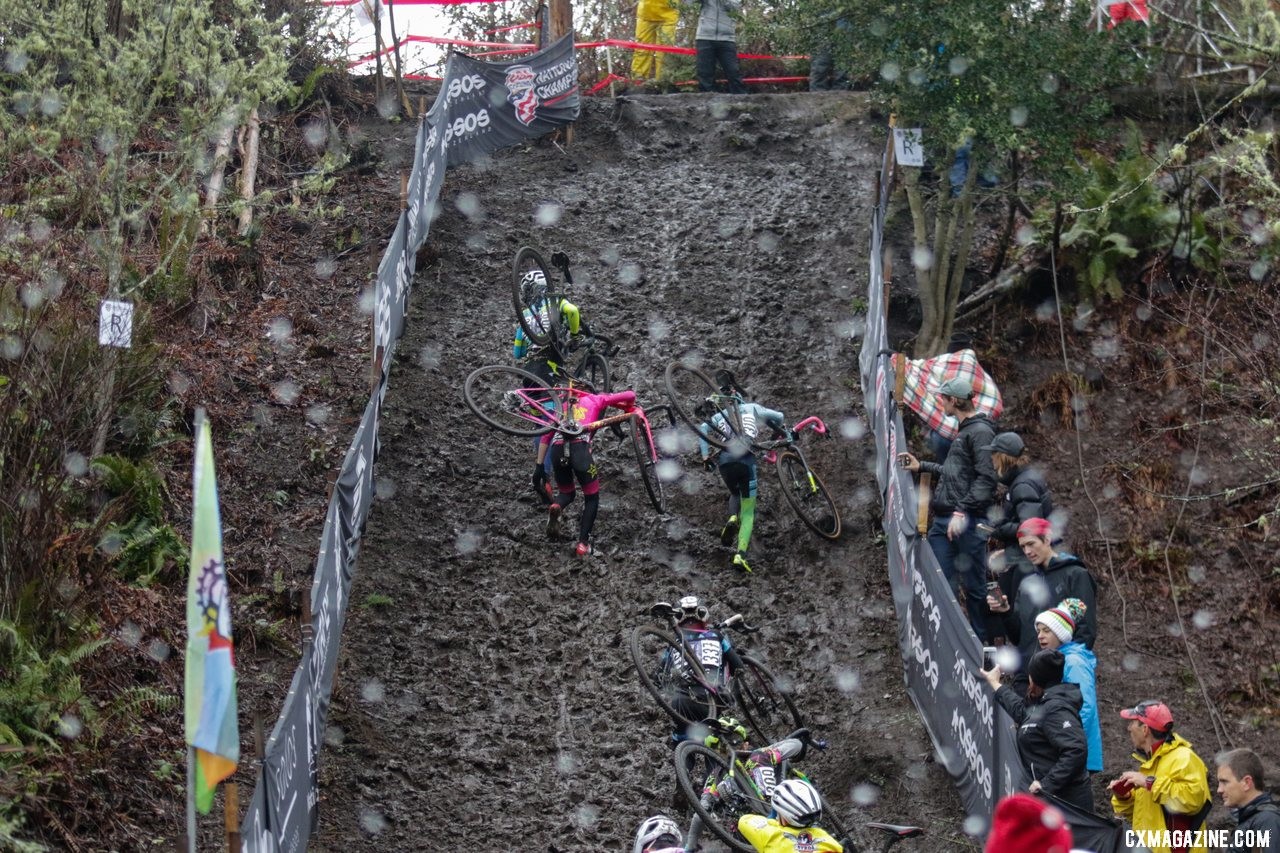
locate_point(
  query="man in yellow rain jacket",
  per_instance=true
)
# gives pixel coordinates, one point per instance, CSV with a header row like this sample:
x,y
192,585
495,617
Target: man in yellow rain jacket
x,y
1167,797
655,24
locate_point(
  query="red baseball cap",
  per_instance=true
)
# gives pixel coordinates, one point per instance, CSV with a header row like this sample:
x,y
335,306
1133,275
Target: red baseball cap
x,y
1152,714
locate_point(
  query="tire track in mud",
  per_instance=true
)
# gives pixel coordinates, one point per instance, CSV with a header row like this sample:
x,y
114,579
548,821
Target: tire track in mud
x,y
492,703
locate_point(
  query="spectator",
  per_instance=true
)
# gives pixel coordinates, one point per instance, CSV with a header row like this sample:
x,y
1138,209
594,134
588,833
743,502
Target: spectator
x,y
1242,786
1055,629
1170,788
1024,824
823,75
655,24
1057,577
961,498
1026,496
1051,741
716,39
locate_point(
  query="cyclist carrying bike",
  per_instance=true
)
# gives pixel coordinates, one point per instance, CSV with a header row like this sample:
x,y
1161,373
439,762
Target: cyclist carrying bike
x,y
790,827
738,463
571,458
658,834
711,648
544,361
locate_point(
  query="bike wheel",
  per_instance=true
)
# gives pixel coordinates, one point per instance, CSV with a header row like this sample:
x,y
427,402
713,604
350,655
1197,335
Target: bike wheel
x,y
703,777
808,496
696,400
651,653
646,458
766,708
537,314
511,400
594,372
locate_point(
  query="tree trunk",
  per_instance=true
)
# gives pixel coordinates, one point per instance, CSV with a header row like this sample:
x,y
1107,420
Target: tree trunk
x,y
396,69
249,170
217,176
967,219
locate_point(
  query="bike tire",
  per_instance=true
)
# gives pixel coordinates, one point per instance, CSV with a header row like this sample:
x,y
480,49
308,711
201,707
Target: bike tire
x,y
696,765
646,456
764,706
696,398
485,392
593,371
663,687
812,503
543,331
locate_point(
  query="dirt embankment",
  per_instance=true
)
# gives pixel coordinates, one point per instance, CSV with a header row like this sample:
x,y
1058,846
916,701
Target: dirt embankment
x,y
485,690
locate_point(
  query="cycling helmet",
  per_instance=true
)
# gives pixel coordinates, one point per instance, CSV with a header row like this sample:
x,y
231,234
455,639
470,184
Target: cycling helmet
x,y
691,608
797,803
657,833
533,287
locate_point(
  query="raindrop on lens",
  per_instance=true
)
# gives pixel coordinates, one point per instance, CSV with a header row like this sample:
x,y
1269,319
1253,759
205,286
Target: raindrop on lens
x,y
286,392
586,815
429,356
1258,270
916,77
768,241
372,822
75,464
1026,235
848,680
1018,116
50,103
39,229
630,274
922,258
566,764
975,826
367,298
548,214
1049,83
1203,620
1196,574
853,428
1131,662
958,65
10,347
373,691
158,651
1143,312
334,735
384,488
469,206
69,726
669,470
314,134
325,268
864,794
111,544
279,330
659,329
130,634
318,414
890,71
15,60
469,541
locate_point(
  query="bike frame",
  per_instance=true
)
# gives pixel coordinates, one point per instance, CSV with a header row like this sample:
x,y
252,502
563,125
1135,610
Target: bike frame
x,y
536,412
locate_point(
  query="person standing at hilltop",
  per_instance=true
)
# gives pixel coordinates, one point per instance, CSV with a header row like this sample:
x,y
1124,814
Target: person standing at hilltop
x,y
717,42
964,492
655,24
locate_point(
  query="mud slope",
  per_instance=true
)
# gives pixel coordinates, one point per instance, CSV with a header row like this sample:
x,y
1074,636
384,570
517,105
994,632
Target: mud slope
x,y
485,697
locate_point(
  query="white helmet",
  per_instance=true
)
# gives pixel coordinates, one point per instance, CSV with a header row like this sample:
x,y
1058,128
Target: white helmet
x,y
692,608
797,803
657,832
533,286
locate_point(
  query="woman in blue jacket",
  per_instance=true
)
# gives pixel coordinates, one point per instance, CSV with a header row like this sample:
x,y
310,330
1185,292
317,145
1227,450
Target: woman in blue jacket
x,y
1055,629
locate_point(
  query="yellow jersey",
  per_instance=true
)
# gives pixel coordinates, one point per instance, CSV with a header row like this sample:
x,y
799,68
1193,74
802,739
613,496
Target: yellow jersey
x,y
769,836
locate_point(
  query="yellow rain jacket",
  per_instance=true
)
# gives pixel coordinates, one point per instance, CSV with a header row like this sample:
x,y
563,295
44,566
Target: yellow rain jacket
x,y
655,24
769,836
1181,786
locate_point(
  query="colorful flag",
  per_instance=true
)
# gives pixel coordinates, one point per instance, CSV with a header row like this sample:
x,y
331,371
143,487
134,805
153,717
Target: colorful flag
x,y
211,724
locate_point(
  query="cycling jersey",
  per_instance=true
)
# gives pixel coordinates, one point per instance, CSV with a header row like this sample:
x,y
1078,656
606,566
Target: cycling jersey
x,y
766,835
587,408
522,347
752,416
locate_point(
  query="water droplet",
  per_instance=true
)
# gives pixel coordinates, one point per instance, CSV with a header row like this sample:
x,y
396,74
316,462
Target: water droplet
x,y
286,392
315,133
548,214
768,241
630,274
958,65
848,680
429,356
75,464
917,77
384,488
469,541
129,633
325,268
70,726
469,206
669,470
658,329
586,815
1204,620
1049,83
890,71
864,795
367,299
279,330
51,103
1132,662
318,414
922,257
975,826
373,691
15,60
853,428
1018,116
334,735
111,544
159,651
371,821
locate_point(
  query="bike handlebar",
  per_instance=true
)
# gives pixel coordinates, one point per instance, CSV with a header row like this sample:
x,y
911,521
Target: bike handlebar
x,y
667,611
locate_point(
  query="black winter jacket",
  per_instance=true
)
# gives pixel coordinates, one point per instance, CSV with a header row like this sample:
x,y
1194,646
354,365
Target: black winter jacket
x,y
1026,497
1051,741
1261,814
1064,577
965,480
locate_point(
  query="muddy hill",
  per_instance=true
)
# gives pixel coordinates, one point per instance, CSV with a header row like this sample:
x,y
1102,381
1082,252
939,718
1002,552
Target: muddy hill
x,y
485,690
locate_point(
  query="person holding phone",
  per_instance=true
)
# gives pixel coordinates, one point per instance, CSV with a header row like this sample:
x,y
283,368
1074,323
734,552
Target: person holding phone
x,y
1026,496
1051,739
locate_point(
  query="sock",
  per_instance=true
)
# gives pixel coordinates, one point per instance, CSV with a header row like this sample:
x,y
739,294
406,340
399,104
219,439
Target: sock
x,y
747,520
590,504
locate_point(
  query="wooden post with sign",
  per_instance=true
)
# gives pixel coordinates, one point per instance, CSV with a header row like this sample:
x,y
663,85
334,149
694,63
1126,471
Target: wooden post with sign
x,y
561,24
231,814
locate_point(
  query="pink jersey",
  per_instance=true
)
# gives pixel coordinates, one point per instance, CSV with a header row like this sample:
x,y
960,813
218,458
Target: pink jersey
x,y
589,408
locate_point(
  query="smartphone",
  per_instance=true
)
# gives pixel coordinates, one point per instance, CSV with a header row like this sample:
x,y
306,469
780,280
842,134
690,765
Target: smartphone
x,y
988,657
904,459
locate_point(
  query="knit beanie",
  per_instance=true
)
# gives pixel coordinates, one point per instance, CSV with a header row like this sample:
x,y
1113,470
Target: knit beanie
x,y
1035,527
1024,824
1062,620
1046,668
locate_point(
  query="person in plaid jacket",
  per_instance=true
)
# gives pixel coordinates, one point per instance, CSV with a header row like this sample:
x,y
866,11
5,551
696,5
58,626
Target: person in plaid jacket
x,y
965,491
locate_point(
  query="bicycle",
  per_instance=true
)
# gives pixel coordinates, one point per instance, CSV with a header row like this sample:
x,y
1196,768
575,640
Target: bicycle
x,y
517,402
671,672
537,312
714,778
711,410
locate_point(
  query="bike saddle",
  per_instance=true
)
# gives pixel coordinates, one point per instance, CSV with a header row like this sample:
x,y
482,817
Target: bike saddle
x,y
895,829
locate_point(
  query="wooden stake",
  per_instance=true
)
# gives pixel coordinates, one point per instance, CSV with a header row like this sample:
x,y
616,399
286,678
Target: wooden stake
x,y
259,738
231,800
404,190
922,505
899,362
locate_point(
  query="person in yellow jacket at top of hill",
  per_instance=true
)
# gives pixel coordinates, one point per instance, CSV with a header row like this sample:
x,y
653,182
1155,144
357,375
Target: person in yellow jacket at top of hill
x,y
655,24
1170,788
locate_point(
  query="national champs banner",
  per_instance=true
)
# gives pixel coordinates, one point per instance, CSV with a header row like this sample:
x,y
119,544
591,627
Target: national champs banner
x,y
975,740
481,108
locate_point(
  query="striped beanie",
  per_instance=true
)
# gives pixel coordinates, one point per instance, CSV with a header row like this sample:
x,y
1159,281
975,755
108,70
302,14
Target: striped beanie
x,y
1061,620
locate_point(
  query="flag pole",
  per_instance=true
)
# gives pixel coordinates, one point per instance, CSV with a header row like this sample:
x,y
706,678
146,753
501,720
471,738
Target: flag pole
x,y
191,799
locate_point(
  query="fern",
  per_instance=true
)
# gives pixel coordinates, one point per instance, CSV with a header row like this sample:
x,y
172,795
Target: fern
x,y
131,701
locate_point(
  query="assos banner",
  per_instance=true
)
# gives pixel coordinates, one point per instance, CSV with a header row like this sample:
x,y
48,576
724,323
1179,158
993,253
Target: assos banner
x,y
481,107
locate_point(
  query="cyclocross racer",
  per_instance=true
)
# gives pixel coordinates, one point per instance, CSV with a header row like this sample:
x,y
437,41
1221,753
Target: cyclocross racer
x,y
790,828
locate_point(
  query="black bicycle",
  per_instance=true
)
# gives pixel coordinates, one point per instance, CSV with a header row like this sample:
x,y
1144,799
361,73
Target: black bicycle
x,y
537,300
674,674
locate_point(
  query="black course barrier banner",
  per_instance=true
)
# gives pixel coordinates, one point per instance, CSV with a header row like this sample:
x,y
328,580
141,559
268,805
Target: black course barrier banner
x,y
975,740
481,107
